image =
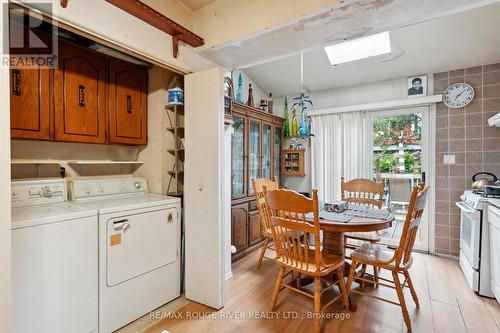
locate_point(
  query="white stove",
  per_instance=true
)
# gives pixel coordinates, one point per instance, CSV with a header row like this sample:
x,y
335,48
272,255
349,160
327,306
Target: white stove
x,y
475,242
139,247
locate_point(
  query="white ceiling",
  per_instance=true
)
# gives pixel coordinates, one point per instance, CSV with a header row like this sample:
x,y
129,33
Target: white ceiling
x,y
461,40
196,4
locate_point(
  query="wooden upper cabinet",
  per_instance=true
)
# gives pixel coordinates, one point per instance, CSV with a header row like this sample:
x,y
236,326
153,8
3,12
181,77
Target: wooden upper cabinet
x,y
29,103
80,95
128,109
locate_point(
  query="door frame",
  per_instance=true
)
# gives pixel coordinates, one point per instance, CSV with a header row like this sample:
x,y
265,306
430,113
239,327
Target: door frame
x,y
428,164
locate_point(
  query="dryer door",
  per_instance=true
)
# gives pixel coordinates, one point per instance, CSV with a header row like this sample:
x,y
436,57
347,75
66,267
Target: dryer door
x,y
140,243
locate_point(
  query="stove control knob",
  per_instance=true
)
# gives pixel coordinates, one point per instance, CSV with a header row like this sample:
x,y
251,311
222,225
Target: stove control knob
x,y
137,185
46,192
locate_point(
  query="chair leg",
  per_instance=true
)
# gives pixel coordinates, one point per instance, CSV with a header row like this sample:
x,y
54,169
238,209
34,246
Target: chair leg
x,y
317,304
277,287
412,288
343,289
375,274
351,276
262,252
401,297
362,274
299,284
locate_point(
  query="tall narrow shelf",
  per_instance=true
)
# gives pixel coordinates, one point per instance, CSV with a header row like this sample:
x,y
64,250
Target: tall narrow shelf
x,y
176,173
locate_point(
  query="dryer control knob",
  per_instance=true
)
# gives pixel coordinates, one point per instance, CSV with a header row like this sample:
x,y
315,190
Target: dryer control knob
x,y
46,192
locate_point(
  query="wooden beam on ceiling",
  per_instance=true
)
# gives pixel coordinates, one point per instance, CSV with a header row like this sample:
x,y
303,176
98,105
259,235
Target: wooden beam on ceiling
x,y
156,19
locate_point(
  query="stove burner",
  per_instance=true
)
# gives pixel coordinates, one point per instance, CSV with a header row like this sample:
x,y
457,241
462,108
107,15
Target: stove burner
x,y
484,195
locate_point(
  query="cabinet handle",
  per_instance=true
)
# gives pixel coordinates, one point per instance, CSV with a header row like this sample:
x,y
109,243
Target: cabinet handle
x,y
129,104
81,95
16,82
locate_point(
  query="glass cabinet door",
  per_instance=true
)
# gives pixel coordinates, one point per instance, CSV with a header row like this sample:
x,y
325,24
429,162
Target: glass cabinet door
x,y
253,153
238,158
277,154
266,150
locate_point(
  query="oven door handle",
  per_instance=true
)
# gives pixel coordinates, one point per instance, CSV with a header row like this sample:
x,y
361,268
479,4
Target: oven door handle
x,y
464,207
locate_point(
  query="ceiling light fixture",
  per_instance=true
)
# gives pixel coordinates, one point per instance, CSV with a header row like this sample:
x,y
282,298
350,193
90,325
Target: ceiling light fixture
x,y
360,48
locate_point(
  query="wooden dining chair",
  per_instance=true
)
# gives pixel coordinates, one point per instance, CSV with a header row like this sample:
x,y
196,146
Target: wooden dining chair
x,y
287,213
364,192
398,260
258,190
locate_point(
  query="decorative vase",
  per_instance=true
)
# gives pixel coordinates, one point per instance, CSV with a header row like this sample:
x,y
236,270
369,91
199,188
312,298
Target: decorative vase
x,y
250,96
239,94
286,123
295,122
303,128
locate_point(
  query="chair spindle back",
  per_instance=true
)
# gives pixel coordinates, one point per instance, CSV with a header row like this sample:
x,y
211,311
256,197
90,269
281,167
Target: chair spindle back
x,y
362,192
413,218
287,213
258,190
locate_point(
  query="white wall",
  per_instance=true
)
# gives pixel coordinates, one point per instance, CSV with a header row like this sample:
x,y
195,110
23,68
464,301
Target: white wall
x,y
366,93
5,238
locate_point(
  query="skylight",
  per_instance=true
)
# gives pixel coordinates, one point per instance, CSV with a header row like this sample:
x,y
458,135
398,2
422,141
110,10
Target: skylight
x,y
360,48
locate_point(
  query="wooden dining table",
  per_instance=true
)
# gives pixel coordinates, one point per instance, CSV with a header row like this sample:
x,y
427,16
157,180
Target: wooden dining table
x,y
333,231
333,238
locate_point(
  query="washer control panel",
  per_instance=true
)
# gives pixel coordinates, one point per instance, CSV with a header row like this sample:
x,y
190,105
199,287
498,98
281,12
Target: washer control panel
x,y
92,188
37,192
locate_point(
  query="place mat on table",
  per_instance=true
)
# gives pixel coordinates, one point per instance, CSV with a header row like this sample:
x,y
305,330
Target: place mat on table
x,y
331,216
368,212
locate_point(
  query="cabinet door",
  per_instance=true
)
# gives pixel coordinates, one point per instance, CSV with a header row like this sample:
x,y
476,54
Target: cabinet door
x,y
267,144
238,180
29,103
254,153
277,154
80,95
239,230
254,228
128,109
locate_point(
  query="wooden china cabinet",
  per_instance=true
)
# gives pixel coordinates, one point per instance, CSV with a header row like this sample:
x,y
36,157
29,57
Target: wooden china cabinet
x,y
256,153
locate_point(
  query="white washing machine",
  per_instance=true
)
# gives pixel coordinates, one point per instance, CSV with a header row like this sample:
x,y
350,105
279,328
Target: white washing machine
x,y
54,260
139,247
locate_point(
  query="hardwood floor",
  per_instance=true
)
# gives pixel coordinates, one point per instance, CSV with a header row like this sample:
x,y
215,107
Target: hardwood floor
x,y
446,305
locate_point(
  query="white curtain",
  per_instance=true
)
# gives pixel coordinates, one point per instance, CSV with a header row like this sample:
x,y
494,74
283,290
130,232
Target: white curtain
x,y
341,148
356,145
326,152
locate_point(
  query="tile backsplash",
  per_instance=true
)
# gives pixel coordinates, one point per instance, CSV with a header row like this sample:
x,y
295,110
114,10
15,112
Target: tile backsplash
x,y
465,134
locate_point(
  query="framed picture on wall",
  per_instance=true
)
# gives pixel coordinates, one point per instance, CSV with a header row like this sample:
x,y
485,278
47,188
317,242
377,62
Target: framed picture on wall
x,y
417,86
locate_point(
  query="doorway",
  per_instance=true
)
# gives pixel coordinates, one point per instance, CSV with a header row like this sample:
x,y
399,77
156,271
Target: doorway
x,y
400,157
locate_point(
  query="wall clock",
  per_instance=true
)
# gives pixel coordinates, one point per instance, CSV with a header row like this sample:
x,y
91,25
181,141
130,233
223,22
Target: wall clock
x,y
458,95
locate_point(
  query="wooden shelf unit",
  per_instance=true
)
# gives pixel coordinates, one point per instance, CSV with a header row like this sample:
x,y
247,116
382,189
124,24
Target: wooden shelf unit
x,y
293,163
176,174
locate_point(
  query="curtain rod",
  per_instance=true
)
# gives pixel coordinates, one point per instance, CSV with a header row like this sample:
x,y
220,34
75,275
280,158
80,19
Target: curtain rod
x,y
386,105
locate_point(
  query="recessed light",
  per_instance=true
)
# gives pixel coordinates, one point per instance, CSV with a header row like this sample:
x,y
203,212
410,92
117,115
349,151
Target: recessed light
x,y
359,48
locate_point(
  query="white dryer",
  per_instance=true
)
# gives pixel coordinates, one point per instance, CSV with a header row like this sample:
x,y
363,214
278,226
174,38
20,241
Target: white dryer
x,y
54,260
139,247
